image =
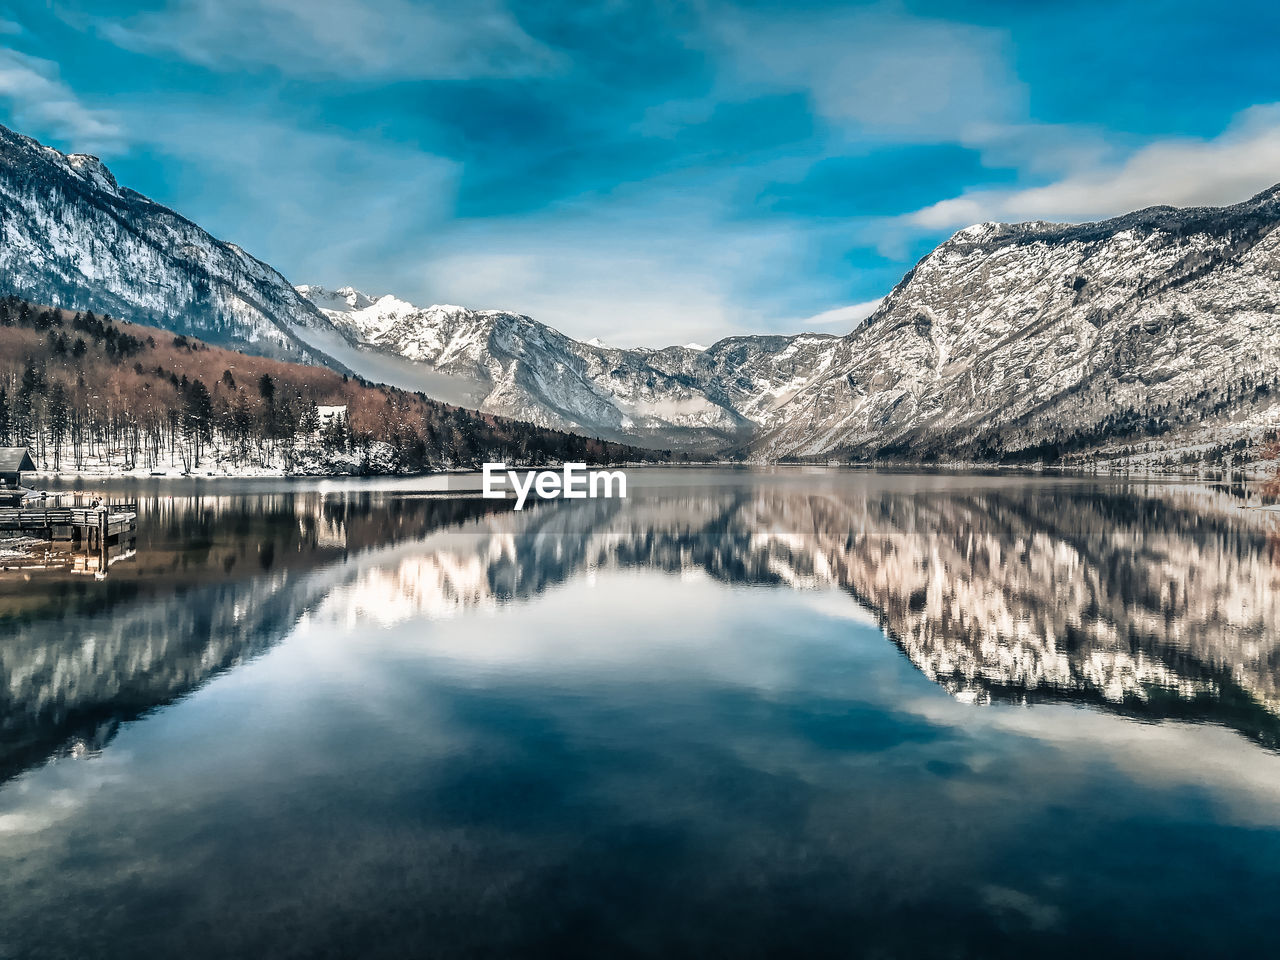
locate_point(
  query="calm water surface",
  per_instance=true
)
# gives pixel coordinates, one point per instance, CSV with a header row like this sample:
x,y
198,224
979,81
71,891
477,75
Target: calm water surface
x,y
799,713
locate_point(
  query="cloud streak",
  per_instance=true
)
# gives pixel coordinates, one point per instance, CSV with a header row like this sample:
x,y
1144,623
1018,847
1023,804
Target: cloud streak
x,y
634,272
879,70
38,99
340,38
312,202
843,317
1226,169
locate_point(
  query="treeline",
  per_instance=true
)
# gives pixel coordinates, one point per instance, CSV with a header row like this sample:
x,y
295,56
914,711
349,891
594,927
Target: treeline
x,y
80,389
1128,428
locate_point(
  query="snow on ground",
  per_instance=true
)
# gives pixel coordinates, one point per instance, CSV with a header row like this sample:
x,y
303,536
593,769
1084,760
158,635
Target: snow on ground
x,y
219,461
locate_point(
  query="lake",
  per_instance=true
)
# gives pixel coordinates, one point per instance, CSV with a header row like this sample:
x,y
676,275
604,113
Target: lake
x,y
794,712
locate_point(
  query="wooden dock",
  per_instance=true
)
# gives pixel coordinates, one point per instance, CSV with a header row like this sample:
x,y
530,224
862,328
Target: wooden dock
x,y
69,523
100,534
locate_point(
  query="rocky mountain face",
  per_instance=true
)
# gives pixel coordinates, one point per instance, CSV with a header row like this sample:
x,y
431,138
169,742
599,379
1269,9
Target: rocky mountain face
x,y
1152,331
1043,338
1152,335
71,236
518,367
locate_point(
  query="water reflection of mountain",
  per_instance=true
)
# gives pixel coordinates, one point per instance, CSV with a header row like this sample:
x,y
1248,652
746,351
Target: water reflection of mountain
x,y
1157,601
217,582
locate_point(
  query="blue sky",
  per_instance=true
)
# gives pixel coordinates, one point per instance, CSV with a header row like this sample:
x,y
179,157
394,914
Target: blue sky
x,y
653,172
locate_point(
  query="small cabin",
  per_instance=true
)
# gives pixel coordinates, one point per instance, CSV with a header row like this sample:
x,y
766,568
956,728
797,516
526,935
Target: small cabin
x,y
14,460
330,413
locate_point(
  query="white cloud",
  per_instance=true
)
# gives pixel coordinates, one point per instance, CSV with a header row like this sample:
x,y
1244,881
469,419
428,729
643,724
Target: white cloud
x,y
310,202
1045,149
633,272
647,284
880,70
40,102
846,317
625,298
652,264
389,38
1229,168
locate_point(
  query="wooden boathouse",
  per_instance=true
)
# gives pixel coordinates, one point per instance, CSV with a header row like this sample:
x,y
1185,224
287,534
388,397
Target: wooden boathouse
x,y
13,460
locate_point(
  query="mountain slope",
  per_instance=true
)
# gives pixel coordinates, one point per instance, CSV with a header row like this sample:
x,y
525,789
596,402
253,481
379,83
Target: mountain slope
x,y
1048,338
1008,341
1037,340
525,369
71,236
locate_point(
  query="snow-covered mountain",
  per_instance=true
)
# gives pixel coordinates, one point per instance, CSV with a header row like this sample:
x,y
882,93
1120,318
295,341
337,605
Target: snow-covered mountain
x,y
1155,331
687,395
1160,326
71,236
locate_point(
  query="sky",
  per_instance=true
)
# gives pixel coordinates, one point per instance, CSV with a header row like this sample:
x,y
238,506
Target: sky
x,y
646,173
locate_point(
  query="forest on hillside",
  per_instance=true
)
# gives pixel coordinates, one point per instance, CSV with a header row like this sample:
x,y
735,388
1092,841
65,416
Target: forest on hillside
x,y
88,392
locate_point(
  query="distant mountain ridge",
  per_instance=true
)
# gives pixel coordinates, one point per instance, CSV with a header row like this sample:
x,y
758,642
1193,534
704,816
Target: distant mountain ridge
x,y
687,395
1153,334
1009,340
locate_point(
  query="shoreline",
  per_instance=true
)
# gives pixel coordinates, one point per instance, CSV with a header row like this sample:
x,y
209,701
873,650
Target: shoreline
x,y
1254,473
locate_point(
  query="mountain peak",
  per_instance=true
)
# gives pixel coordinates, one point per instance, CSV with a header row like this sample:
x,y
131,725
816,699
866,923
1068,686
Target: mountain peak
x,y
83,166
1269,195
384,306
341,300
1159,217
977,231
994,230
92,170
